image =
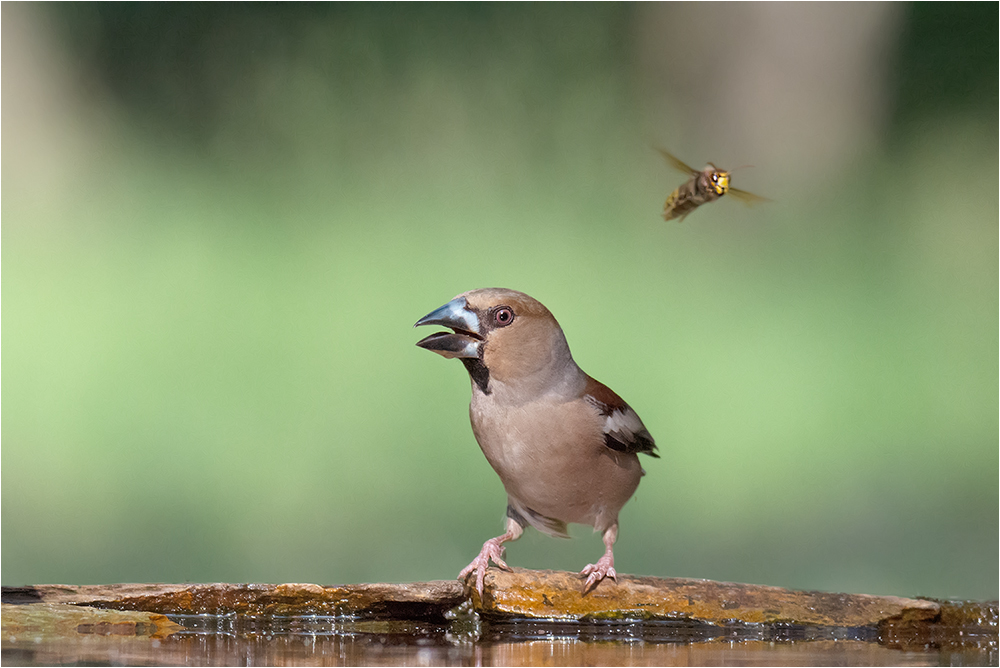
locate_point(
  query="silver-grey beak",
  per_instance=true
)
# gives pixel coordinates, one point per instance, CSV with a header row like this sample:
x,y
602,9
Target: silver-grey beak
x,y
465,341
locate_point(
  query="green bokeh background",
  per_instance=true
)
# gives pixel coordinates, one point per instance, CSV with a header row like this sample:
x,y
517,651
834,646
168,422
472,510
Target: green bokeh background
x,y
219,224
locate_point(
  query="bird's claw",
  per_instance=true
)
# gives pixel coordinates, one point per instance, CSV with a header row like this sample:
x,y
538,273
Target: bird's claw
x,y
604,568
492,550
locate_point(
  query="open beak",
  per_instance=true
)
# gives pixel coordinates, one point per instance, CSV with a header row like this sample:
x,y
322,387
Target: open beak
x,y
464,341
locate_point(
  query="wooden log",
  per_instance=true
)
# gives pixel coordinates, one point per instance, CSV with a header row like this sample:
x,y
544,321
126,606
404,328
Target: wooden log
x,y
559,595
43,622
554,595
416,601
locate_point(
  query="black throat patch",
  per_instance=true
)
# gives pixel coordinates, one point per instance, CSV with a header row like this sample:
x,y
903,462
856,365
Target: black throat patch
x,y
478,372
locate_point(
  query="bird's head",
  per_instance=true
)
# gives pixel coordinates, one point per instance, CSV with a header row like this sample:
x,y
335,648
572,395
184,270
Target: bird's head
x,y
499,334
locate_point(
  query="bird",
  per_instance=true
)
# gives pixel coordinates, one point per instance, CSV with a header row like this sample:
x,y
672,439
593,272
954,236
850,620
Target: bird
x,y
564,445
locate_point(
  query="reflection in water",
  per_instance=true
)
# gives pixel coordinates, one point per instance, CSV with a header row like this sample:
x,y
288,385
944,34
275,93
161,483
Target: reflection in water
x,y
217,640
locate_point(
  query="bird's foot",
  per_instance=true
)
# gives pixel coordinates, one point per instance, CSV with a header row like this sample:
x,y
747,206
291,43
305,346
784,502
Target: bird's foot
x,y
604,568
492,549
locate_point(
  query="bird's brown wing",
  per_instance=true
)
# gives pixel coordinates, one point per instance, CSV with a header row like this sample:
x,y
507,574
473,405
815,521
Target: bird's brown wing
x,y
623,430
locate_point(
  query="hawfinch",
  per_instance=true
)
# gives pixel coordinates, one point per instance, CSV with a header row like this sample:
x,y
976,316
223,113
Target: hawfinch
x,y
565,446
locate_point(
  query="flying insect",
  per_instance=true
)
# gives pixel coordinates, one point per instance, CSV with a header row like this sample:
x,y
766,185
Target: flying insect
x,y
703,187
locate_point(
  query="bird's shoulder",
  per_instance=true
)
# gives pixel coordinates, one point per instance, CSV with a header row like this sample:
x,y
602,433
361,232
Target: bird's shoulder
x,y
623,430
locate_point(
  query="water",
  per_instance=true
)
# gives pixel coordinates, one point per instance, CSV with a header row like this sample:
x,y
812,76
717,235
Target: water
x,y
225,640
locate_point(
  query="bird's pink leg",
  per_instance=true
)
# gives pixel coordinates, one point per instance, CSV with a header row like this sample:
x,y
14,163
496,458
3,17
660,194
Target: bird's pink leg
x,y
492,549
605,566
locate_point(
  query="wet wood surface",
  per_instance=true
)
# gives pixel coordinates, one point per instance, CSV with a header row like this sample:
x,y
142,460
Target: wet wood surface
x,y
558,594
42,622
418,600
707,609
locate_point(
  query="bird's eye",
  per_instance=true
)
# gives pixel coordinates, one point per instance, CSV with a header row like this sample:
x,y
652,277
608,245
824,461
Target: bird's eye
x,y
503,316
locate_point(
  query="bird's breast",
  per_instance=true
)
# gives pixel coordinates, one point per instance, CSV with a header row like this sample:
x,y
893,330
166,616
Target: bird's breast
x,y
550,456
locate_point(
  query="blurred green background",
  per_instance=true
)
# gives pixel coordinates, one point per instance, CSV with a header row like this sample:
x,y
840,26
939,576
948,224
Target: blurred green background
x,y
219,223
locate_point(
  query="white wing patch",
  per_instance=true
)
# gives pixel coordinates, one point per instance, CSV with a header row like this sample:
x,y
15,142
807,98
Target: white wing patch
x,y
623,430
623,425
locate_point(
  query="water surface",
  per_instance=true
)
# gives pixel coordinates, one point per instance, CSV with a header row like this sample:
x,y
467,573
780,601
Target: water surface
x,y
224,640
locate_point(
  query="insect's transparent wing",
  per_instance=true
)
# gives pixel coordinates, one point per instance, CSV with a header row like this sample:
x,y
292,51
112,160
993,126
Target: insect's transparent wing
x,y
745,197
677,164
